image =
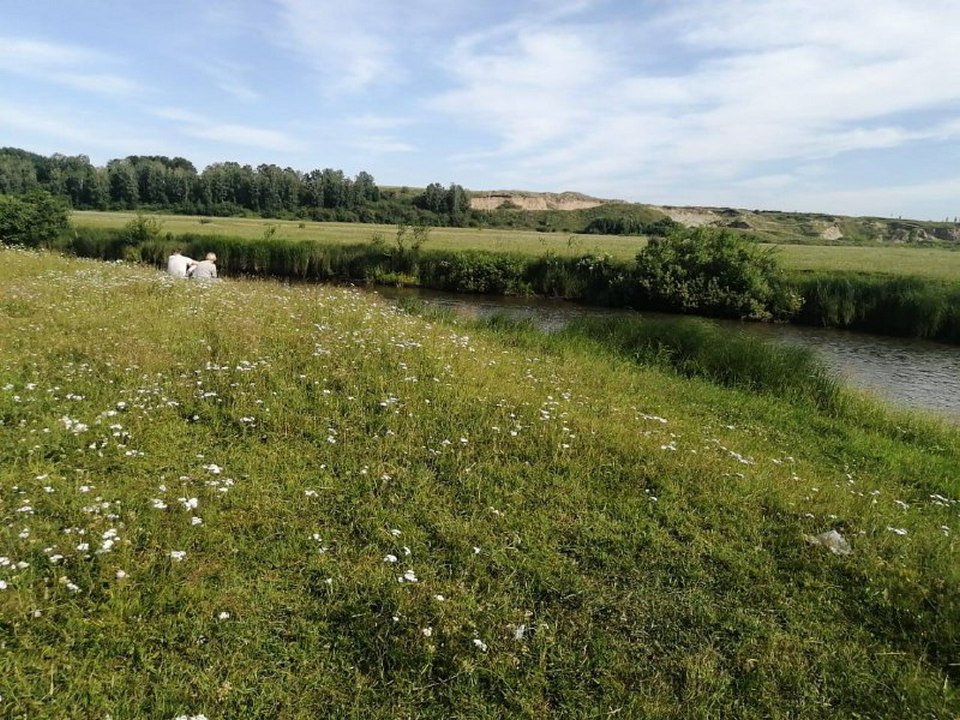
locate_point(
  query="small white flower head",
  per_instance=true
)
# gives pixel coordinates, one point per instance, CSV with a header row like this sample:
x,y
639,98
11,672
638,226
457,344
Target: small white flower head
x,y
409,576
121,574
224,615
439,598
395,532
427,631
480,644
196,520
389,558
178,555
3,584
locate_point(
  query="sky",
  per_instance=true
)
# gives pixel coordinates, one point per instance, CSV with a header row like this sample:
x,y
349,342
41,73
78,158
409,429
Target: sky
x,y
839,106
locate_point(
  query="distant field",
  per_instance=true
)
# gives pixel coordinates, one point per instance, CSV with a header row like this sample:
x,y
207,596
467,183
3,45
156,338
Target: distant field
x,y
925,262
922,262
523,241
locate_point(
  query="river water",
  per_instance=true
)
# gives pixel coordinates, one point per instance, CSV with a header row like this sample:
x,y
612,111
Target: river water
x,y
905,372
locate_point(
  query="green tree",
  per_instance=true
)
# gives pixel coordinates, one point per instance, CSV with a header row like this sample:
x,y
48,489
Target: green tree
x,y
33,219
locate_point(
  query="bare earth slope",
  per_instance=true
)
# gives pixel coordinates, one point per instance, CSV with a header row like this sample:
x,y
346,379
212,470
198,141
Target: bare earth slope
x,y
517,199
766,225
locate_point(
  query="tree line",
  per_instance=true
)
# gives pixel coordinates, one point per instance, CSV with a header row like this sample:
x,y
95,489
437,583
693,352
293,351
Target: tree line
x,y
228,189
157,182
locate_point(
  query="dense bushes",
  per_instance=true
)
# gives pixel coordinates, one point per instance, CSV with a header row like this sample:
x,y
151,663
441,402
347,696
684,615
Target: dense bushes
x,y
713,272
35,218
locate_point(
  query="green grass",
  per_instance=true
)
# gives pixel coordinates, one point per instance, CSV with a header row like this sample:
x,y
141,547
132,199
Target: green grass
x,y
591,536
441,238
928,263
940,264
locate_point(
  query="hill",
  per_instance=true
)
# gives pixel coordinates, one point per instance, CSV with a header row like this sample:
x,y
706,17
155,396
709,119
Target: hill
x,y
519,208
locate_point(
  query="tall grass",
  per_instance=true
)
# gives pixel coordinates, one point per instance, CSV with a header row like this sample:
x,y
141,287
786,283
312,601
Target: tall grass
x,y
698,348
906,306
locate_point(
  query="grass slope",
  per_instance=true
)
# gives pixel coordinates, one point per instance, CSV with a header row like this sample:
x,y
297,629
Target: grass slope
x,y
251,500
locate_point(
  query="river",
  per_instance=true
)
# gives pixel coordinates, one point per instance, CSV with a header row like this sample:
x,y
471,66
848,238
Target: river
x,y
906,372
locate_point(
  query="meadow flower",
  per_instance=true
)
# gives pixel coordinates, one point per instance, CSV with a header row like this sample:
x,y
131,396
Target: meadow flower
x,y
224,615
178,555
196,521
389,558
480,644
409,576
121,574
427,631
897,531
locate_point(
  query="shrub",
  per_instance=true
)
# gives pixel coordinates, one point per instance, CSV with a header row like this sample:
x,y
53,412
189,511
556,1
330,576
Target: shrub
x,y
141,229
33,219
713,272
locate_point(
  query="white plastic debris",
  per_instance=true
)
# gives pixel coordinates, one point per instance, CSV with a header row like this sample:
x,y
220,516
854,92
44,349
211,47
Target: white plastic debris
x,y
832,540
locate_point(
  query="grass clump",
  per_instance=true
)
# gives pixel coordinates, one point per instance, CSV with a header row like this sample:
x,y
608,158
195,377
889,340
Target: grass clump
x,y
251,500
698,348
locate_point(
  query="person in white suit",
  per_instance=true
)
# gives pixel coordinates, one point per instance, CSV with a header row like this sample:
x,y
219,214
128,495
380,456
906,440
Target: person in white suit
x,y
178,264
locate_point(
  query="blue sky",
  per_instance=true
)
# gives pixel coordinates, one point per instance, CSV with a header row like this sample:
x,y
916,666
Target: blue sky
x,y
844,106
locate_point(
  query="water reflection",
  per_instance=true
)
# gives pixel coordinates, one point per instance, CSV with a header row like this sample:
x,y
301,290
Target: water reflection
x,y
906,372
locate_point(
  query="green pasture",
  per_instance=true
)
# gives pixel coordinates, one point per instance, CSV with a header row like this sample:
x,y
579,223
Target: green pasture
x,y
940,264
250,499
441,238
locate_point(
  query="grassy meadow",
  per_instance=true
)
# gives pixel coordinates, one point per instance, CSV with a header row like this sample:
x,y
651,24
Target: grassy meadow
x,y
933,263
256,500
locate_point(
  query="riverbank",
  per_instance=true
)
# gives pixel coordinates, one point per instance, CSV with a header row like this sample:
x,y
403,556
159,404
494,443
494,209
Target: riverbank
x,y
249,499
903,372
900,305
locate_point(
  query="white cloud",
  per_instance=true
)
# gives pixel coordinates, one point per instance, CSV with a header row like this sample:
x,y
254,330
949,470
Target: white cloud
x,y
228,77
245,135
199,126
70,65
344,43
751,82
64,129
380,144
